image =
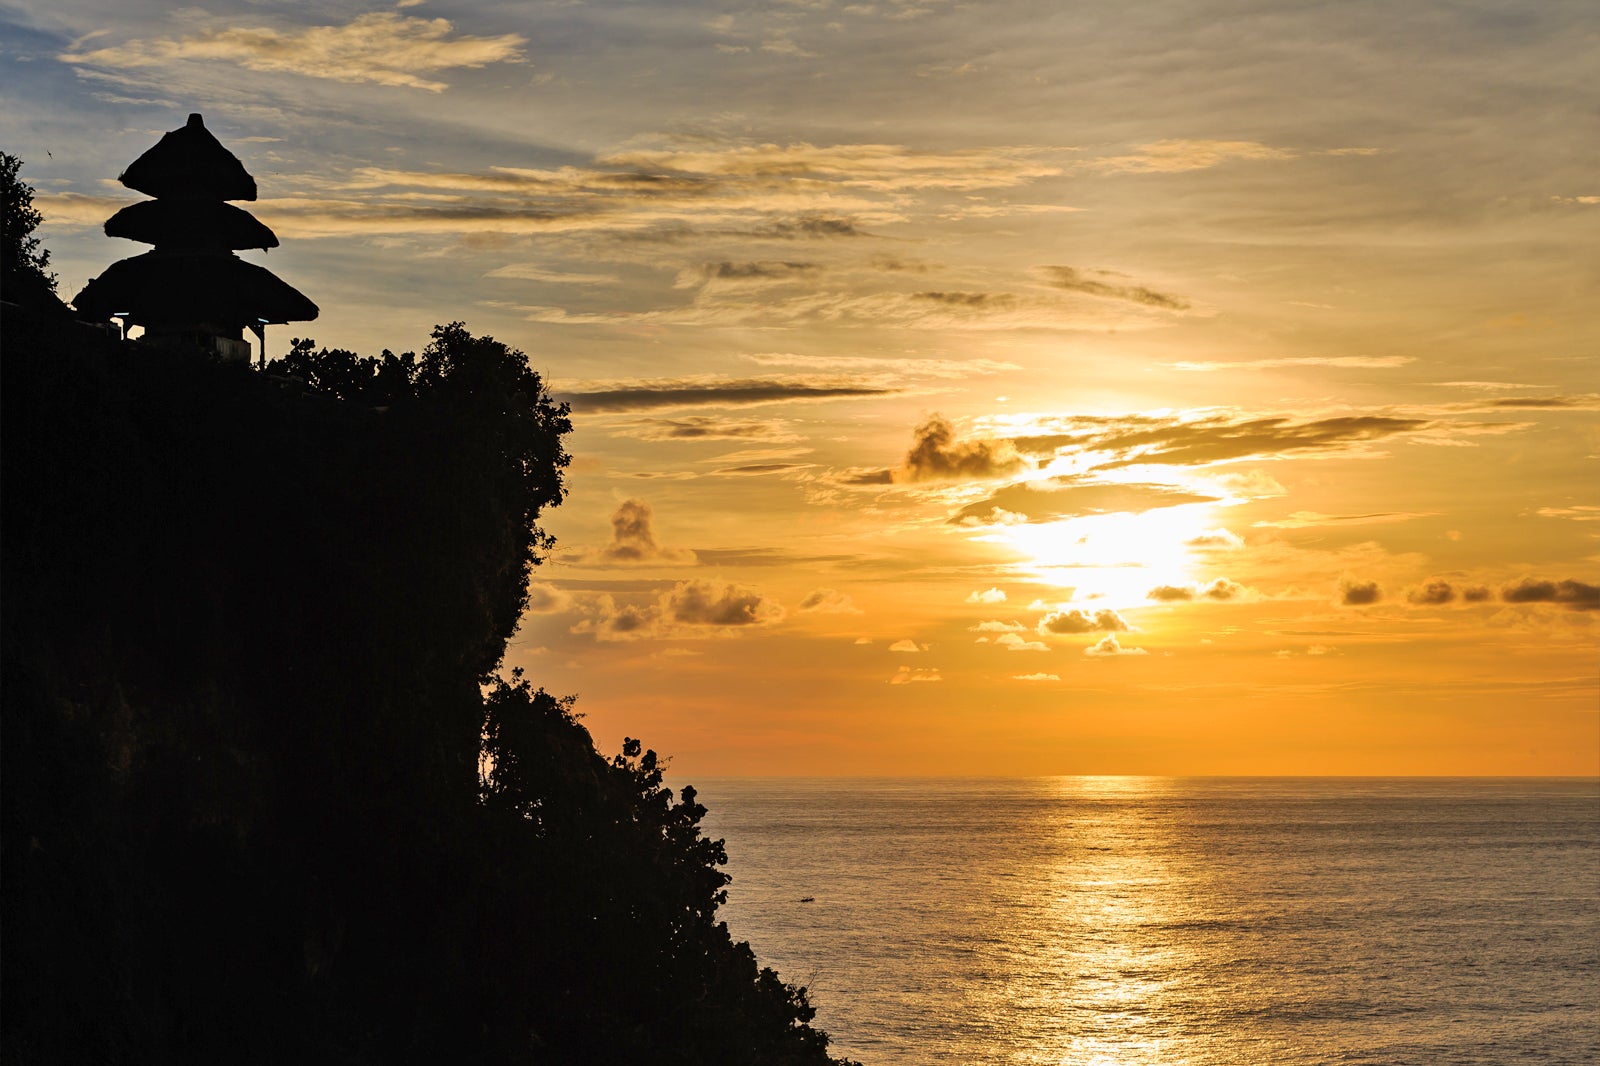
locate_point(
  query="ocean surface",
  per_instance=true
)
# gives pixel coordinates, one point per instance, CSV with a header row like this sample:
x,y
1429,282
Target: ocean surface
x,y
1100,921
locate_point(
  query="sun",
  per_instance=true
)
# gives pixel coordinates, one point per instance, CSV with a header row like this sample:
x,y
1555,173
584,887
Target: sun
x,y
1116,557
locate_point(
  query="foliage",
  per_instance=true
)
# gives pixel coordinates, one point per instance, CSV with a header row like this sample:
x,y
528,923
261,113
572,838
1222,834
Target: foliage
x,y
261,801
23,262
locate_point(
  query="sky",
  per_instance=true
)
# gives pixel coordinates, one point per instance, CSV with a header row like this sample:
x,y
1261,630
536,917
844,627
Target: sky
x,y
1018,387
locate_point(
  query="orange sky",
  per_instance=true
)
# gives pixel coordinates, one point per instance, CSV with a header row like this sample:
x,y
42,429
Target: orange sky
x,y
981,389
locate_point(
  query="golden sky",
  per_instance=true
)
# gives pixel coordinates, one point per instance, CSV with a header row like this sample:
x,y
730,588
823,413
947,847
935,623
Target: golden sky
x,y
1002,388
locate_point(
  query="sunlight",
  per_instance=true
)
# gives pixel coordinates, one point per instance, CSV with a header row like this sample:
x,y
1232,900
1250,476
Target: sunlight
x,y
1118,557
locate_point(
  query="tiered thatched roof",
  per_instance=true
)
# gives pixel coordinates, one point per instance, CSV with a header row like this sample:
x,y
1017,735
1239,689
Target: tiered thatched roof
x,y
192,283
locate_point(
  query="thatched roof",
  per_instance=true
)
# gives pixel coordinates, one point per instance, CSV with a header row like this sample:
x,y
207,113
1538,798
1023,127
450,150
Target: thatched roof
x,y
188,223
190,162
166,289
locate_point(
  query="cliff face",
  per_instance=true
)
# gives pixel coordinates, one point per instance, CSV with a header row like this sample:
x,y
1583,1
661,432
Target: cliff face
x,y
257,805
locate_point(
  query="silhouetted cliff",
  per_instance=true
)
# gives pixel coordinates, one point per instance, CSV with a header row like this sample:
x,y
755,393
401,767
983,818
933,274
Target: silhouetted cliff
x,y
259,802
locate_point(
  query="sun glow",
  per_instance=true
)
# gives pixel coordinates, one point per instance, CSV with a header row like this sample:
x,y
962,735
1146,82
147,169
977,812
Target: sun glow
x,y
1118,557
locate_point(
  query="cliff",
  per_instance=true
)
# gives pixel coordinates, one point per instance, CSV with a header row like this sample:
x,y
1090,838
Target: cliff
x,y
263,798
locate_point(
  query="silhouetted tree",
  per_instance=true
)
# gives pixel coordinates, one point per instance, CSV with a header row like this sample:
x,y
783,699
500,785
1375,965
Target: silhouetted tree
x,y
260,797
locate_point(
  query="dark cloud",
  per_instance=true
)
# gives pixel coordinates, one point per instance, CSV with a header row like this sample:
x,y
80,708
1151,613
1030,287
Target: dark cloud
x,y
1073,280
1070,497
828,601
977,301
1222,589
936,455
1578,595
1217,440
633,540
1359,593
720,394
1433,593
870,477
1475,594
1142,439
759,271
811,227
712,603
702,427
1079,621
894,265
759,469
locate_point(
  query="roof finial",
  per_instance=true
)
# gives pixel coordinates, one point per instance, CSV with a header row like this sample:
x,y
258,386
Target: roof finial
x,y
195,121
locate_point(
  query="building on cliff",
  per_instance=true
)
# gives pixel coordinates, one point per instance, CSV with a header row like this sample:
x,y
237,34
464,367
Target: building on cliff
x,y
192,289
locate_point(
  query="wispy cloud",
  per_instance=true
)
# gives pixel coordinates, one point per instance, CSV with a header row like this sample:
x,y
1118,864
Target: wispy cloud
x,y
1176,156
1053,499
648,395
1071,279
380,47
1360,362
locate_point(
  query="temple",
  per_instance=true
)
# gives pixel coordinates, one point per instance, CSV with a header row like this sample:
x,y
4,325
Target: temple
x,y
192,289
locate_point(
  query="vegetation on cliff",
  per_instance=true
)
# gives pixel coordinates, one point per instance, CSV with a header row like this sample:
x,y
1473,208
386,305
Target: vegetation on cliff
x,y
264,797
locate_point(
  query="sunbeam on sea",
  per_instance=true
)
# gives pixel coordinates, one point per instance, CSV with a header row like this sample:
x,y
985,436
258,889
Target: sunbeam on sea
x,y
1131,921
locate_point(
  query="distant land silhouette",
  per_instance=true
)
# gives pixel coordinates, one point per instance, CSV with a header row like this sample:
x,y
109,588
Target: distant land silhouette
x,y
263,795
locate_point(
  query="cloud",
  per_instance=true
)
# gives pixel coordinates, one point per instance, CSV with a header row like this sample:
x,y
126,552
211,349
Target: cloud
x,y
762,272
1215,538
1213,440
908,646
380,47
1311,519
1433,593
884,370
760,469
1220,589
1074,280
703,427
1080,621
1012,642
646,396
633,541
545,598
1176,156
1363,362
1354,593
875,167
690,609
1578,595
987,596
533,272
713,603
1070,497
1035,677
1577,513
1193,440
996,626
907,676
936,455
827,601
1108,646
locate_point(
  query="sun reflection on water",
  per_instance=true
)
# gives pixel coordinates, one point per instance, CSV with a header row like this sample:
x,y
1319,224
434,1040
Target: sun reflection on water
x,y
1107,892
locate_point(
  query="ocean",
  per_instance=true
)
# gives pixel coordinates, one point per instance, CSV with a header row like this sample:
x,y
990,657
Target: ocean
x,y
1130,921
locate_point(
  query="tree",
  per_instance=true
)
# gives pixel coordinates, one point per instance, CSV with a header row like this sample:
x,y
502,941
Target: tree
x,y
23,261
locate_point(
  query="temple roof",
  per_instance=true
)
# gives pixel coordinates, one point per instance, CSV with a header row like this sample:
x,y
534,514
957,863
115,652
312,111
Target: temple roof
x,y
190,162
190,224
167,289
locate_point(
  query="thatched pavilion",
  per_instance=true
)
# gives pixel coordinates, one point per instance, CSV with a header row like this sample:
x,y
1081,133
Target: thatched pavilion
x,y
192,288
